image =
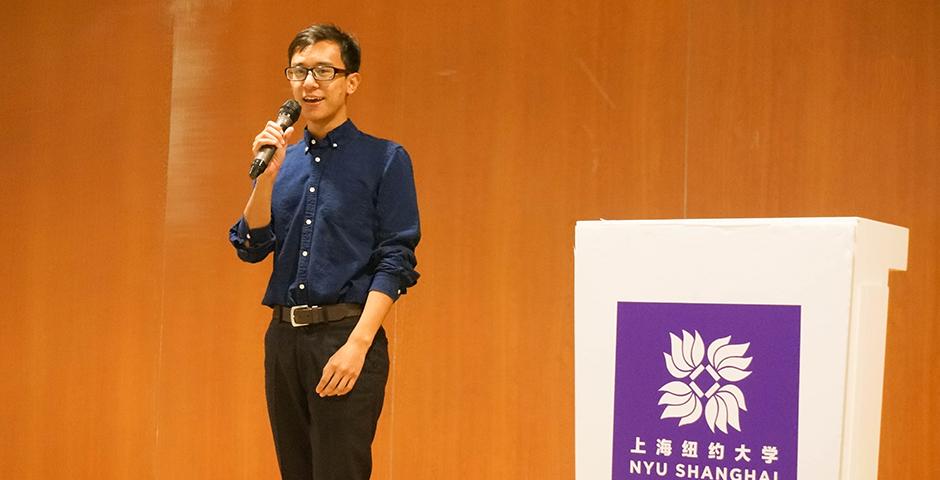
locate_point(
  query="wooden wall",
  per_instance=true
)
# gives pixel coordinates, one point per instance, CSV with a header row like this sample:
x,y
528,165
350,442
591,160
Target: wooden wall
x,y
85,117
131,335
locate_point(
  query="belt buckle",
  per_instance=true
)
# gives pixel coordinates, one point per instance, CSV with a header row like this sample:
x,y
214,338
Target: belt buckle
x,y
293,320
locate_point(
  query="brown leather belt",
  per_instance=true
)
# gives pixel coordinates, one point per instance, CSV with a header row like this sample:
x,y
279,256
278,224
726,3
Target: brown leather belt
x,y
303,315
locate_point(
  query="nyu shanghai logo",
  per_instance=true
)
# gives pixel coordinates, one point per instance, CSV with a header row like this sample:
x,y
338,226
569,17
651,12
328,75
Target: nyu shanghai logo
x,y
706,391
687,362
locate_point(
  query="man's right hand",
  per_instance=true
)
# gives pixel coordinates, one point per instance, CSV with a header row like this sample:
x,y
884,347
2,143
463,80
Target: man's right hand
x,y
258,210
271,135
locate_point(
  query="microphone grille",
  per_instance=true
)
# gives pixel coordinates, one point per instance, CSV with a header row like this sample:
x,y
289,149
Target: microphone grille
x,y
290,108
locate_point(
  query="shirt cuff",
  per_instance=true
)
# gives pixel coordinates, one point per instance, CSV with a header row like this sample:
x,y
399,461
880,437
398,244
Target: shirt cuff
x,y
387,284
255,236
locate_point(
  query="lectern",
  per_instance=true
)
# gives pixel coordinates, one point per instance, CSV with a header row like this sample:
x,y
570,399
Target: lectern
x,y
731,349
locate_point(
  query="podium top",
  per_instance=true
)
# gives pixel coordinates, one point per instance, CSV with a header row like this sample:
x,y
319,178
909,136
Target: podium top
x,y
732,222
883,242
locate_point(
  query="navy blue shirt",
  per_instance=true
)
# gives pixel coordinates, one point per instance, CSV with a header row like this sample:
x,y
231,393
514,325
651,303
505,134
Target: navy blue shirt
x,y
344,221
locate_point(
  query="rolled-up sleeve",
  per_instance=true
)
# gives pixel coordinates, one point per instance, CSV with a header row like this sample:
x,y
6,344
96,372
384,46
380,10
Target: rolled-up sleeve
x,y
399,229
252,245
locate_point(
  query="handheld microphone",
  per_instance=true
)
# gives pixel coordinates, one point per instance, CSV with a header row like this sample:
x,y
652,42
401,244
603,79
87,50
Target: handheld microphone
x,y
286,116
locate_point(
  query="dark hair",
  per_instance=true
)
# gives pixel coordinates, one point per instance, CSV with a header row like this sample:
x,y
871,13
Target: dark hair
x,y
348,46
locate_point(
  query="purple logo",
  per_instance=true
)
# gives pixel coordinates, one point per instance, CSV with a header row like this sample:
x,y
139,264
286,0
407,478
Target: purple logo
x,y
706,391
687,362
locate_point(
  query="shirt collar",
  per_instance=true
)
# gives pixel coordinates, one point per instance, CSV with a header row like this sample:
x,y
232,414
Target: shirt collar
x,y
337,137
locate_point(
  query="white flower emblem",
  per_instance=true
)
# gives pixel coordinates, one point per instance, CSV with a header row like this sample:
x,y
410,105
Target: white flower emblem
x,y
726,363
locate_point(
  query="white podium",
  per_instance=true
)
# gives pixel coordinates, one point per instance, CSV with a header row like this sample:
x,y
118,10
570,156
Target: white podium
x,y
731,349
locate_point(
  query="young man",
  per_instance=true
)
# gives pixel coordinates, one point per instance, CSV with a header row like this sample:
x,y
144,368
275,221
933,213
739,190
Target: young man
x,y
339,211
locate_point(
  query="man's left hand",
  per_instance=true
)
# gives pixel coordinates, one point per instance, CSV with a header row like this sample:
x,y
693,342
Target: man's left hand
x,y
342,370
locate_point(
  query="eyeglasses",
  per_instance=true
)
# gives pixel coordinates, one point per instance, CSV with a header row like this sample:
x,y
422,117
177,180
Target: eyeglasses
x,y
322,73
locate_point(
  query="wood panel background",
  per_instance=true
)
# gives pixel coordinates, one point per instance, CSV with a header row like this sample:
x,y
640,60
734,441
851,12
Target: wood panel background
x,y
131,335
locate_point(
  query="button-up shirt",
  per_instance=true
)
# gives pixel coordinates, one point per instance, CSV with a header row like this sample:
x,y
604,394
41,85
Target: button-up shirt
x,y
344,221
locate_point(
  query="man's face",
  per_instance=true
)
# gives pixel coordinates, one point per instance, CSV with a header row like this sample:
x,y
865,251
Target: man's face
x,y
323,102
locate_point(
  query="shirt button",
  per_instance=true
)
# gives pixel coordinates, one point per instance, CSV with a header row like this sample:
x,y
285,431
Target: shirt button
x,y
313,142
317,159
335,145
301,286
308,221
312,189
248,236
304,253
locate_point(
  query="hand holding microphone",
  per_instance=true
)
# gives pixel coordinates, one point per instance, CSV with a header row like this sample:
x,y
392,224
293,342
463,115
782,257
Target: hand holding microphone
x,y
271,142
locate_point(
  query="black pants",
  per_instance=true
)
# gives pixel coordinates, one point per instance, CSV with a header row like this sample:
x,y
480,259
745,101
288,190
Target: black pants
x,y
317,438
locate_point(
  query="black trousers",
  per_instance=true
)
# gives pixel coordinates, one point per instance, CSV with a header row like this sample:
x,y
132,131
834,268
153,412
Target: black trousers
x,y
317,438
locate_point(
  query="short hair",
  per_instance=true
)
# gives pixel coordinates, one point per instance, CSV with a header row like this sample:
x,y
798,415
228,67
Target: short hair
x,y
320,32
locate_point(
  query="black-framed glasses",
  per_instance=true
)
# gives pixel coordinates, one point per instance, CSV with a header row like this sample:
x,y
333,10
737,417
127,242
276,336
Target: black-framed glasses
x,y
321,73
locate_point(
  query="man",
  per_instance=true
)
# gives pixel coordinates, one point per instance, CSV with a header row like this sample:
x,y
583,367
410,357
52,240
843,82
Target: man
x,y
339,211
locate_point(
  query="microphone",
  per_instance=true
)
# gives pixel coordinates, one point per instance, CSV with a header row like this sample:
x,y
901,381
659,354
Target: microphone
x,y
286,116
